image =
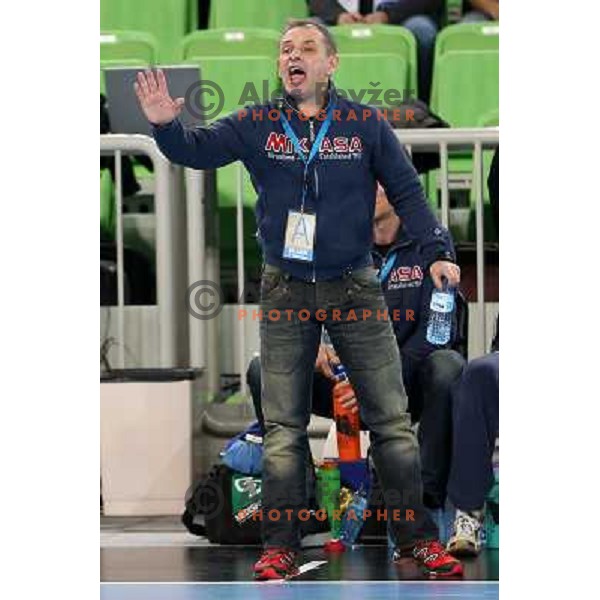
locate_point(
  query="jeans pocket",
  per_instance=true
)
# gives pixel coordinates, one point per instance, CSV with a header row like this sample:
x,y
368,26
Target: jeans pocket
x,y
271,284
281,344
365,279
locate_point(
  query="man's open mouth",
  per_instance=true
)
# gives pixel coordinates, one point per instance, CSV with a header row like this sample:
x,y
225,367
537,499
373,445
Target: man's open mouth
x,y
297,75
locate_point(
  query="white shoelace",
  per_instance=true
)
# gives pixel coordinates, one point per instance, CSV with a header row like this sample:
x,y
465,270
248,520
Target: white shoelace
x,y
466,525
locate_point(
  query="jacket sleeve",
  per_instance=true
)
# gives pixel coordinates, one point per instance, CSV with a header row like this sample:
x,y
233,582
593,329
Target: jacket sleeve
x,y
398,177
326,10
402,9
209,147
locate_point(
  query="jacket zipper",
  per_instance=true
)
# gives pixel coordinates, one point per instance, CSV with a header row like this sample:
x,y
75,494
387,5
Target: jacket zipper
x,y
311,125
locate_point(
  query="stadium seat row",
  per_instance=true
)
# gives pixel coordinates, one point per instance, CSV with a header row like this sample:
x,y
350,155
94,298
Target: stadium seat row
x,y
465,81
373,58
167,21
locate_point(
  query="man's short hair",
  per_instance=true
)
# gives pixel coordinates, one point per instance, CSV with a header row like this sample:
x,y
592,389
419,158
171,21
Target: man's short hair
x,y
329,41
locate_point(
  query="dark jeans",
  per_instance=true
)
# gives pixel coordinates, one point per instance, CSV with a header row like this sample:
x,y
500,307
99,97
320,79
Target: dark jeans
x,y
428,384
369,352
430,403
425,29
475,398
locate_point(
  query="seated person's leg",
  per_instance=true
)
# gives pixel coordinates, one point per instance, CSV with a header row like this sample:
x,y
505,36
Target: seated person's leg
x,y
254,384
475,429
475,16
436,375
424,29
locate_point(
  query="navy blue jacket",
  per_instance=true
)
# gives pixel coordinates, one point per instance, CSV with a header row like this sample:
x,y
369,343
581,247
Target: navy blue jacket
x,y
357,151
408,286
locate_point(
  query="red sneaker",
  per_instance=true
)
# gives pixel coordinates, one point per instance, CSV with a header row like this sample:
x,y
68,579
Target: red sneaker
x,y
276,563
432,557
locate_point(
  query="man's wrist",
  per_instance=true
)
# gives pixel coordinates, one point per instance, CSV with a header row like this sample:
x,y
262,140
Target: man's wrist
x,y
446,256
163,125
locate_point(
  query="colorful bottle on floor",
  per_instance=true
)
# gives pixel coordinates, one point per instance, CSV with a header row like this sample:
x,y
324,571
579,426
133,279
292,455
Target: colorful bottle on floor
x,y
353,520
347,420
328,476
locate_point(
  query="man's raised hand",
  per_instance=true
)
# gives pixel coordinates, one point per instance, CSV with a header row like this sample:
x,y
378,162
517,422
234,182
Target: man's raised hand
x,y
154,98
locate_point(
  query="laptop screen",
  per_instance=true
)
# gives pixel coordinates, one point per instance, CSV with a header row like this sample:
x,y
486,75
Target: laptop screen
x,y
124,110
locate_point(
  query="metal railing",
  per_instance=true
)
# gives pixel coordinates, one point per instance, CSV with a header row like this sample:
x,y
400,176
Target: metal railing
x,y
170,246
182,253
459,140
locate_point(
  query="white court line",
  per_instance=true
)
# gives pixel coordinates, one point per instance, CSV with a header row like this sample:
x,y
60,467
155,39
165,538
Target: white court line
x,y
309,566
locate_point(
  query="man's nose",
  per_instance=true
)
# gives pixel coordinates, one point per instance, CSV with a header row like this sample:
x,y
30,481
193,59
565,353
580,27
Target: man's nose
x,y
295,53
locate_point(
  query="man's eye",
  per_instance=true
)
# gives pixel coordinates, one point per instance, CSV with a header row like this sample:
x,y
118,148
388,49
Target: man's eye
x,y
286,51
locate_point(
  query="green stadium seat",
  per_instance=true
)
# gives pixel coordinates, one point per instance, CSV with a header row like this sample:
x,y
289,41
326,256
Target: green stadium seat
x,y
489,230
231,42
388,51
107,204
468,36
490,234
116,46
126,49
255,13
465,74
218,56
465,92
167,20
233,59
239,78
490,119
465,86
355,74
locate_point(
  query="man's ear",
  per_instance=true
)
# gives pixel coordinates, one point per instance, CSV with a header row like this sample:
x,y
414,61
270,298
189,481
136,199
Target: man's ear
x,y
332,64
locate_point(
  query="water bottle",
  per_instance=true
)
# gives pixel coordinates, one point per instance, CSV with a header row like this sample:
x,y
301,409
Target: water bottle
x,y
441,307
353,521
347,423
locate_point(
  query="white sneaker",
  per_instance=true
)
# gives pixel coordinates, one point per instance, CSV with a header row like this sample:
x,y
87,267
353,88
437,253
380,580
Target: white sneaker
x,y
466,537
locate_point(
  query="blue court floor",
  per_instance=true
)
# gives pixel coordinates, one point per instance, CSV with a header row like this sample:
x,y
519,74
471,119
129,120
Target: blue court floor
x,y
157,559
304,590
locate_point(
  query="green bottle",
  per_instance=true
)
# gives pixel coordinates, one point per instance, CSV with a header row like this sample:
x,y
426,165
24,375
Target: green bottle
x,y
329,491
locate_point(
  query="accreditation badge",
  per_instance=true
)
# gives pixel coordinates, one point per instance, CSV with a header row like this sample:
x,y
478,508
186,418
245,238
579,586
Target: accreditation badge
x,y
300,236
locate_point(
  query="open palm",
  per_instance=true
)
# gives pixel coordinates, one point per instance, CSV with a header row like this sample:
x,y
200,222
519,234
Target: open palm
x,y
153,94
